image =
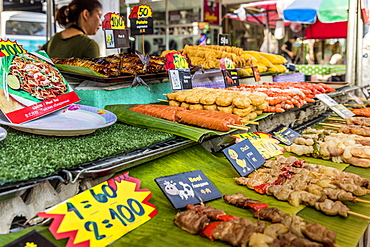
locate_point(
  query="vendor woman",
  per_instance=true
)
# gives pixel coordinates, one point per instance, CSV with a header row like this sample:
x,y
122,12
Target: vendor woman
x,y
80,18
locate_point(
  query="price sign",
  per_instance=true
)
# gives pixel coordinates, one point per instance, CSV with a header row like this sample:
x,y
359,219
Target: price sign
x,y
223,39
229,72
266,145
141,19
189,187
366,91
113,21
115,32
339,109
102,214
284,134
180,79
8,48
31,239
256,72
176,60
244,157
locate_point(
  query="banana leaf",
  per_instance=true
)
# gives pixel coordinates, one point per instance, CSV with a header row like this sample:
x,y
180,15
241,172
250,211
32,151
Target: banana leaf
x,y
78,70
161,231
190,132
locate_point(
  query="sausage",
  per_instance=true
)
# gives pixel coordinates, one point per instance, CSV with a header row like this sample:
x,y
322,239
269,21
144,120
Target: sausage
x,y
193,118
159,111
232,118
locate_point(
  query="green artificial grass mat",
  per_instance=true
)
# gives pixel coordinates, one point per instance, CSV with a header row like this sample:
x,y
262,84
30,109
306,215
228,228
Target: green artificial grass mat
x,y
24,156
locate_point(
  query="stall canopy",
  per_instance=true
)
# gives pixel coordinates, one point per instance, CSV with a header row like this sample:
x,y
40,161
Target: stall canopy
x,y
261,13
307,11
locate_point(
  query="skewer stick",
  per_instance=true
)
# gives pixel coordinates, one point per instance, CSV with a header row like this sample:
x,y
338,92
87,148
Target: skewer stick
x,y
250,122
355,105
336,119
240,127
331,125
362,200
163,100
359,215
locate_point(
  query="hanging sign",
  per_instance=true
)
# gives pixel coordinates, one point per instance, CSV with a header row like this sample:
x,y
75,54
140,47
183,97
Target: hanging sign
x,y
115,32
229,72
189,187
244,157
102,214
284,134
179,72
31,87
31,239
339,109
8,48
141,20
224,40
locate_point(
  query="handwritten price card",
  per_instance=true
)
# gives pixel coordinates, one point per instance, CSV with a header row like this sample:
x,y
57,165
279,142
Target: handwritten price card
x,y
116,34
141,19
229,72
8,48
102,214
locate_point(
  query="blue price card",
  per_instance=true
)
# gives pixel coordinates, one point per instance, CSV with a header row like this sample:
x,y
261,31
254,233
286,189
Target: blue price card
x,y
189,187
244,157
284,134
32,238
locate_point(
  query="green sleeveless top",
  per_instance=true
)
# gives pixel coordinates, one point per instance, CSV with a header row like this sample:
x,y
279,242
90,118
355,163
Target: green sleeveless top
x,y
79,46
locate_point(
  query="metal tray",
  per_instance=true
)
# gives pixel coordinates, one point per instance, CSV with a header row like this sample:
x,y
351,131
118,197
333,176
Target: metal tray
x,y
127,78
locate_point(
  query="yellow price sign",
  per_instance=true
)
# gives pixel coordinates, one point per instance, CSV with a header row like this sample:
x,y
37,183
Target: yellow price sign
x,y
117,22
144,11
8,48
180,62
102,214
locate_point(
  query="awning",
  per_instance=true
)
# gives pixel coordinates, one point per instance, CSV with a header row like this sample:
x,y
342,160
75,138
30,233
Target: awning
x,y
320,30
308,11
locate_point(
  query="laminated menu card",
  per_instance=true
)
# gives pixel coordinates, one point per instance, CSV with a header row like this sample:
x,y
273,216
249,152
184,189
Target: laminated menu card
x,y
31,87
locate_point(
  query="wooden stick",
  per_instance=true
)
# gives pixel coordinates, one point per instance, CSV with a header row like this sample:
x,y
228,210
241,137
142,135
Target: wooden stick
x,y
163,100
362,200
331,125
250,122
355,105
336,119
240,127
359,215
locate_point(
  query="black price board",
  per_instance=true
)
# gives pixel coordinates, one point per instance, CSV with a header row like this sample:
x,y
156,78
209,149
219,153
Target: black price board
x,y
141,26
180,79
244,157
339,109
224,40
230,77
31,239
116,38
284,134
189,187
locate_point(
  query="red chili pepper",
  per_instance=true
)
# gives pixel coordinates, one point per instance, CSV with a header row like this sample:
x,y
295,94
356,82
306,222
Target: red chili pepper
x,y
261,188
257,206
285,168
299,163
226,217
209,229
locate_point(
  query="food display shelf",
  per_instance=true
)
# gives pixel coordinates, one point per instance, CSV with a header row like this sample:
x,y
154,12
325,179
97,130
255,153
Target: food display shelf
x,y
117,163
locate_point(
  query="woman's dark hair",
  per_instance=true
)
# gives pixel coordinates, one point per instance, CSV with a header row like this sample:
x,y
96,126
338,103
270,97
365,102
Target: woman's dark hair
x,y
68,15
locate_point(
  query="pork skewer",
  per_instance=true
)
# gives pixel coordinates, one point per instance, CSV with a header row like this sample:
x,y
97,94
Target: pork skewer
x,y
244,232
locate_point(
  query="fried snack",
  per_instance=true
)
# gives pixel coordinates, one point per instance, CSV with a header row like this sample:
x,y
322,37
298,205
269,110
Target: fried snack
x,y
174,103
257,98
210,107
227,109
243,112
